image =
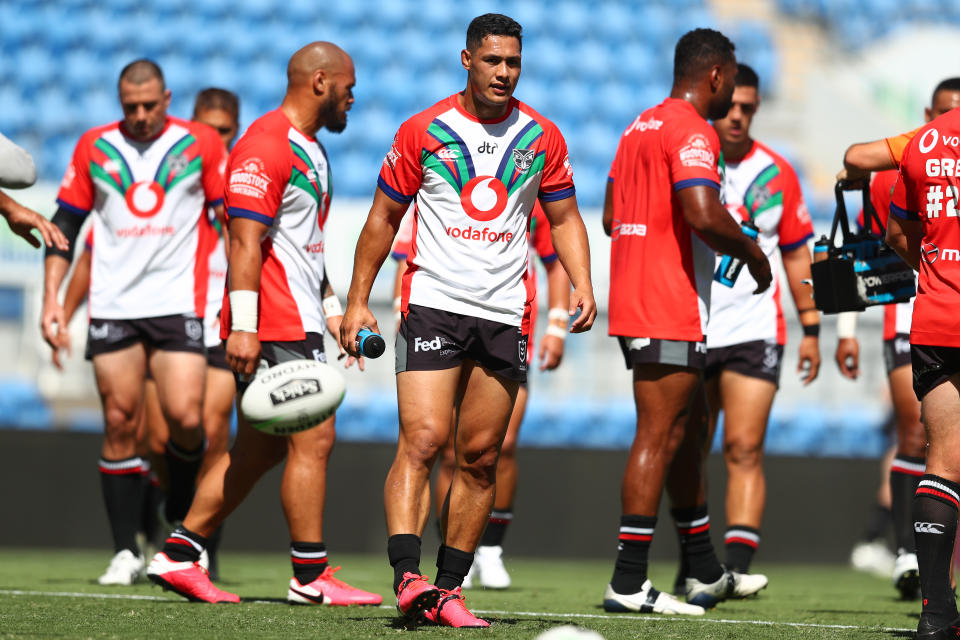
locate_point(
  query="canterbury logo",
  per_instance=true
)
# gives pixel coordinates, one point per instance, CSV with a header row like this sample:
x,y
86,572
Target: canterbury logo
x,y
928,527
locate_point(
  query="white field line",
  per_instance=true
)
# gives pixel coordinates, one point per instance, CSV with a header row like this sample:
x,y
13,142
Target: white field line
x,y
497,612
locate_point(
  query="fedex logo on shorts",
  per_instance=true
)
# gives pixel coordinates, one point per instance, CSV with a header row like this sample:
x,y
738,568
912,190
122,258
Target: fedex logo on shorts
x,y
419,344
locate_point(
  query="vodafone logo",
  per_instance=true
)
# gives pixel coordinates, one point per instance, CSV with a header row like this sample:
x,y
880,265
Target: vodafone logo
x,y
144,199
484,198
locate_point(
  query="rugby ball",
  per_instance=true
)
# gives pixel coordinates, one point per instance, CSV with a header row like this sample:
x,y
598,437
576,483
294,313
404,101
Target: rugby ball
x,y
292,396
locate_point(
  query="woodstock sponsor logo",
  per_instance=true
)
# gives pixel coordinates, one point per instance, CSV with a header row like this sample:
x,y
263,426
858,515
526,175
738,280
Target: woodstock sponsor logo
x,y
249,179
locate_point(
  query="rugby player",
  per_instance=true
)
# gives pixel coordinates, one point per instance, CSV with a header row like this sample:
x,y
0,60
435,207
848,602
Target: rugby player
x,y
922,229
277,307
746,333
911,449
475,162
148,180
663,213
17,171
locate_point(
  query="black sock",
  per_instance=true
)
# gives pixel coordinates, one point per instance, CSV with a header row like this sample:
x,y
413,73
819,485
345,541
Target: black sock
x,y
693,528
182,468
877,523
309,560
935,529
122,485
905,474
452,567
183,545
741,543
630,570
152,498
496,527
403,549
213,547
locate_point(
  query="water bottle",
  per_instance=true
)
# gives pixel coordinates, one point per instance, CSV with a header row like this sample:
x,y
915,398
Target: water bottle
x,y
730,267
370,344
821,249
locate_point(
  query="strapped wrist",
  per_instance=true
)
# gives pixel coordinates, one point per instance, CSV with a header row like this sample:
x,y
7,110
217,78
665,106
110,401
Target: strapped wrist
x,y
244,306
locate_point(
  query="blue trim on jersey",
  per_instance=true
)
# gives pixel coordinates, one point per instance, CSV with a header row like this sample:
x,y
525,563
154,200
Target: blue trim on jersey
x,y
215,203
610,179
696,182
396,255
463,147
236,212
797,244
903,214
447,163
392,193
553,196
550,258
77,211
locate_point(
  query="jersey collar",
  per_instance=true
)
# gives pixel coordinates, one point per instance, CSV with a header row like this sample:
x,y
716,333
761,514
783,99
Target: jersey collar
x,y
126,134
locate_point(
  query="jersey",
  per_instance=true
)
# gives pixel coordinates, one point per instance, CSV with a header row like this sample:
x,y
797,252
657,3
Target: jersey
x,y
763,188
475,183
926,191
280,176
148,198
660,270
896,317
897,144
216,284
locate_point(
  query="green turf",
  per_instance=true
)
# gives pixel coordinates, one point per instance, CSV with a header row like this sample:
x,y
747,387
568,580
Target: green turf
x,y
543,592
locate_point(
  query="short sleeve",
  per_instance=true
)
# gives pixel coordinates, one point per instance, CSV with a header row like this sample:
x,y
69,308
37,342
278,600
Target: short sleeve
x,y
401,173
557,181
540,238
903,200
214,166
692,149
404,238
76,188
796,227
257,174
898,144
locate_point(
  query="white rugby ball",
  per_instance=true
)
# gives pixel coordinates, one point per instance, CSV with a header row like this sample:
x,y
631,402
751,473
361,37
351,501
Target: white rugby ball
x,y
292,396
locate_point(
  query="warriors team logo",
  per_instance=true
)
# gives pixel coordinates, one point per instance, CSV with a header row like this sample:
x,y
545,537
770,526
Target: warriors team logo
x,y
177,163
144,199
523,158
484,198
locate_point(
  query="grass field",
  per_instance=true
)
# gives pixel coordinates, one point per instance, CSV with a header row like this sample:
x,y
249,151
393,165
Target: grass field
x,y
54,594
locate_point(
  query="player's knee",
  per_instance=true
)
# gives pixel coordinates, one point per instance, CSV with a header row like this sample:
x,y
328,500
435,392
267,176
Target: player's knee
x,y
743,453
120,419
480,465
422,446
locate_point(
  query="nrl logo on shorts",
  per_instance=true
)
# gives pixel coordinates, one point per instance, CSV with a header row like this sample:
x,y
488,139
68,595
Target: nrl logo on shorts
x,y
193,329
298,388
523,158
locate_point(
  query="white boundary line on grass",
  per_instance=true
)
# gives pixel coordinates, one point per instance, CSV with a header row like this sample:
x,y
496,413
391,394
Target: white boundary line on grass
x,y
498,612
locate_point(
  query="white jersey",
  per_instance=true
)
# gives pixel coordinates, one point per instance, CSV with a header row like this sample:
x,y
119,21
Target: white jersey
x,y
280,177
762,188
217,280
475,183
149,198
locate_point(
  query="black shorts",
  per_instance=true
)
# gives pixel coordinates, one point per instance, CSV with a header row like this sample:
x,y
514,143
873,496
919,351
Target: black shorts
x,y
756,359
680,353
217,357
432,340
896,352
932,366
181,332
273,353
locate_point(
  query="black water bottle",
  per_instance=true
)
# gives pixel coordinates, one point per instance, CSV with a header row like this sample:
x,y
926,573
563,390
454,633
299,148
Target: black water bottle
x,y
370,344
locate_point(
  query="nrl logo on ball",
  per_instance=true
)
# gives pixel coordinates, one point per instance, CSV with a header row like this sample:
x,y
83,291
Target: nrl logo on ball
x,y
523,158
298,388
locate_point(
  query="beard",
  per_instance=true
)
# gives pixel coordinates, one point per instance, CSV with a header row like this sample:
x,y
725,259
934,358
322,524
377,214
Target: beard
x,y
334,120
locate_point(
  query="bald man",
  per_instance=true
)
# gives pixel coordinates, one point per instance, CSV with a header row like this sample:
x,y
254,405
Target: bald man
x,y
277,200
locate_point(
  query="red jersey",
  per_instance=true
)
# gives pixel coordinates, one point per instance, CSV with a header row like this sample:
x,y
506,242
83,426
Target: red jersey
x,y
927,191
660,270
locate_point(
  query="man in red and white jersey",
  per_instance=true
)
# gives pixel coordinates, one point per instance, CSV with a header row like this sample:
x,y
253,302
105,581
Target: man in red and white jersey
x,y
922,229
277,306
911,447
148,179
746,332
488,570
475,163
663,213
